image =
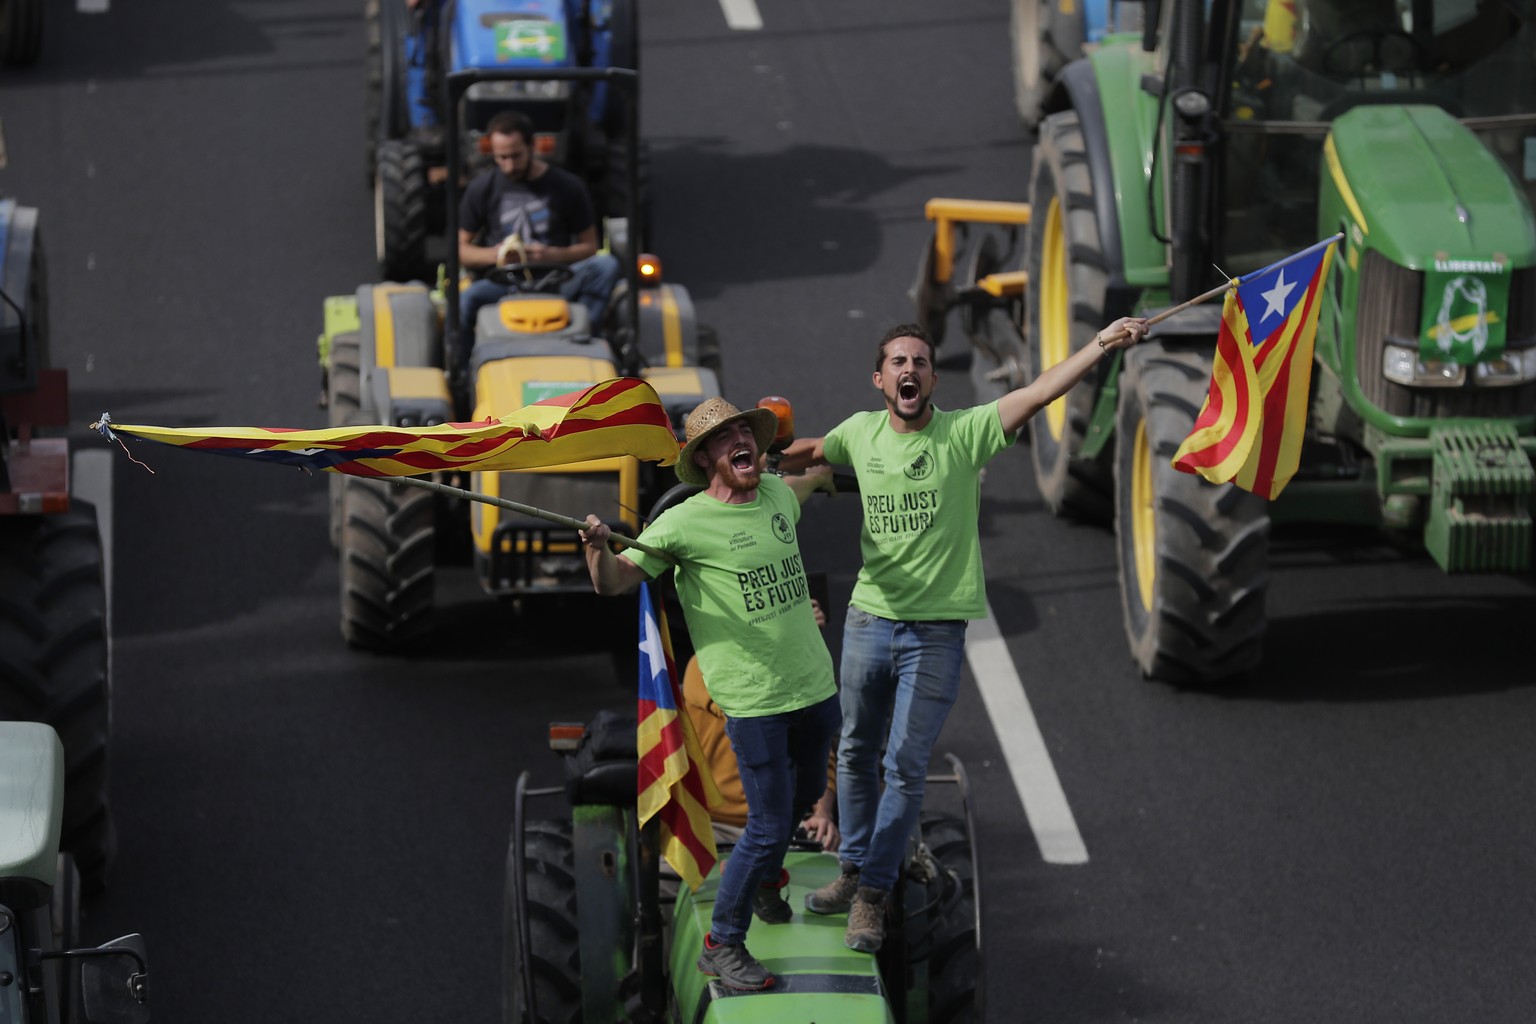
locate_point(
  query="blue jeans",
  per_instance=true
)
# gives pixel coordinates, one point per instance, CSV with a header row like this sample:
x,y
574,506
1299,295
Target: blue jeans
x,y
783,762
593,282
907,674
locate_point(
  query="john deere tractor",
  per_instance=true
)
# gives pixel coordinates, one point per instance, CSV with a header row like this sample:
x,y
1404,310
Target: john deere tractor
x,y
590,940
1226,136
397,353
579,122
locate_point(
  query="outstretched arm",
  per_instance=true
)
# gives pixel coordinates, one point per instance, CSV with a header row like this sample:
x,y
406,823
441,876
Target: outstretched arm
x,y
802,454
611,574
1016,407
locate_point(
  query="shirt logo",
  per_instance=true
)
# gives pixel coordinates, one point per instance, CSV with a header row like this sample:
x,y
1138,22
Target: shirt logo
x,y
782,529
920,468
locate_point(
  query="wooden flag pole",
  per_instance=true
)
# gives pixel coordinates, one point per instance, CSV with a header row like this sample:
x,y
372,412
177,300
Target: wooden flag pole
x,y
527,510
1008,370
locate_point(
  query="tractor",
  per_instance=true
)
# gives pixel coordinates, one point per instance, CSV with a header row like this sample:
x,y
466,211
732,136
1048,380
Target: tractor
x,y
1223,138
21,32
588,938
44,977
579,122
397,353
54,665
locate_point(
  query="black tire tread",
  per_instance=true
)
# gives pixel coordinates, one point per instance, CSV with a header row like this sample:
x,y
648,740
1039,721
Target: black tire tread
x,y
54,668
555,956
388,564
1206,626
403,196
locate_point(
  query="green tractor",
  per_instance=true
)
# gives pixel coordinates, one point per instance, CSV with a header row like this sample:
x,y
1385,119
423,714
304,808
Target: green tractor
x,y
587,939
1224,137
397,353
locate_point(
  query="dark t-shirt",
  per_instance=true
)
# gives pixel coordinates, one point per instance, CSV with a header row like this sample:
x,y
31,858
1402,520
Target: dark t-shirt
x,y
552,209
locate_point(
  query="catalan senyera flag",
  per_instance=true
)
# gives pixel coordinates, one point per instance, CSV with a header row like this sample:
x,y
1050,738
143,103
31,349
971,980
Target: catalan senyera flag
x,y
1249,430
620,416
674,780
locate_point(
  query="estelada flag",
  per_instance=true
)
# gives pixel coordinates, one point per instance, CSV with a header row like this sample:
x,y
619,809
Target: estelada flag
x,y
621,416
1249,430
674,781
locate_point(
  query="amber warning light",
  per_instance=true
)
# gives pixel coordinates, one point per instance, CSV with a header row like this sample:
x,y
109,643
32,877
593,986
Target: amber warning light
x,y
650,269
785,414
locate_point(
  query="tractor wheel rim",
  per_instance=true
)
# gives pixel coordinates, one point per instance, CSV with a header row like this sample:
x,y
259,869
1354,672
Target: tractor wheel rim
x,y
1055,310
1143,522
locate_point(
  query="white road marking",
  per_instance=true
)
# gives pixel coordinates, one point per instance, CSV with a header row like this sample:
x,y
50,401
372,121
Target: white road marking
x,y
92,6
741,15
1029,762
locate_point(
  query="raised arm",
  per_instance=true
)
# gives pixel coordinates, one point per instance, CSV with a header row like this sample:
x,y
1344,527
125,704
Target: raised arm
x,y
1016,407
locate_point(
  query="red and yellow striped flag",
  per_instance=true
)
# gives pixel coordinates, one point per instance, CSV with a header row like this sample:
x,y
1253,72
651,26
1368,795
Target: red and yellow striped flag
x,y
1250,429
621,416
674,780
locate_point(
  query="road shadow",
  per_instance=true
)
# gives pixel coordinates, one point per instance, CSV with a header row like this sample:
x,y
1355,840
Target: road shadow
x,y
804,211
173,37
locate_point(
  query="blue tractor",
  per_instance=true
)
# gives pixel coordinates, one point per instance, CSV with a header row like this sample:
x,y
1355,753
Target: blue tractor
x,y
414,44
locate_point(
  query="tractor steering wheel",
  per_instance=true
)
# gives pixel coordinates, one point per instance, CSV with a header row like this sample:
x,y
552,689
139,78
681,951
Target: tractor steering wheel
x,y
532,276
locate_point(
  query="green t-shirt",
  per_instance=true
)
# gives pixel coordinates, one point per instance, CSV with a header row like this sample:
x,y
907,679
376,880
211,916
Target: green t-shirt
x,y
922,500
743,590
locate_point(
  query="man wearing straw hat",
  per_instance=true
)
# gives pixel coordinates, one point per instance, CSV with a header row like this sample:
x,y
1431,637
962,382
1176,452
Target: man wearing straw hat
x,y
747,603
919,474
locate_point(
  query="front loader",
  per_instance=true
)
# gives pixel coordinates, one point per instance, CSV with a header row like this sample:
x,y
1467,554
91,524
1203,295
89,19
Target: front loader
x,y
1225,137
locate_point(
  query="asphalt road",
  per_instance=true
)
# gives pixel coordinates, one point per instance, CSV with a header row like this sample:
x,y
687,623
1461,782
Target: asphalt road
x,y
313,834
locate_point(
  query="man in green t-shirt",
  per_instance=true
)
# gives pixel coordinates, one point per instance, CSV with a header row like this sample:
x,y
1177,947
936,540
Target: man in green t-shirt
x,y
747,604
919,471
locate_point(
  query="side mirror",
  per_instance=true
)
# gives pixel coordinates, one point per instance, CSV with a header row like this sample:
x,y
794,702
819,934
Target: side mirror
x,y
115,982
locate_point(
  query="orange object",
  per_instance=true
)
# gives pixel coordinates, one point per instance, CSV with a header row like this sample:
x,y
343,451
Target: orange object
x,y
785,413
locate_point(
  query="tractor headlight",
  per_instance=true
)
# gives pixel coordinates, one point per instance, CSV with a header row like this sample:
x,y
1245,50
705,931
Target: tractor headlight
x,y
506,91
1403,365
1515,366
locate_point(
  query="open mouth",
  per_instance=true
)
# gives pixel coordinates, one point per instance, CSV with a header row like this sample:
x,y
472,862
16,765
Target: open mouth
x,y
907,390
741,458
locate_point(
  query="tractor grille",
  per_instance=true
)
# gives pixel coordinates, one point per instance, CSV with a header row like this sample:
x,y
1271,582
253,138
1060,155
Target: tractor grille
x,y
1390,300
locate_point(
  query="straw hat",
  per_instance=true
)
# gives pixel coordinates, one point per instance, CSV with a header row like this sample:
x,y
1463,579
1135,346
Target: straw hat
x,y
709,416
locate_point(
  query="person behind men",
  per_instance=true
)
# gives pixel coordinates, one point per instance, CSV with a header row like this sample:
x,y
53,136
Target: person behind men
x,y
745,599
919,473
525,210
729,817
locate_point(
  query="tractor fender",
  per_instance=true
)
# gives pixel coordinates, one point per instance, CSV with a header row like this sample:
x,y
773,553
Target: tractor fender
x,y
398,325
1118,119
669,327
410,396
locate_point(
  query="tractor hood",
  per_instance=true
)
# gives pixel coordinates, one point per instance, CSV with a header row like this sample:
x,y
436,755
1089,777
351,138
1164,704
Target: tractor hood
x,y
1423,190
1420,187
511,34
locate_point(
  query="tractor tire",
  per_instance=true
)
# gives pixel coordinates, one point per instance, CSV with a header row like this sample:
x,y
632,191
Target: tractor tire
x,y
1194,557
53,665
21,32
373,87
954,961
1068,281
554,951
1045,40
400,198
388,563
344,388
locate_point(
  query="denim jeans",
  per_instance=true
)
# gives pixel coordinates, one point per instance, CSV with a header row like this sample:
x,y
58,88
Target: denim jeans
x,y
593,282
783,762
907,674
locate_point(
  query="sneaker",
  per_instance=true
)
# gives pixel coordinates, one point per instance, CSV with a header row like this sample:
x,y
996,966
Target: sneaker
x,y
866,921
837,895
734,966
769,904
